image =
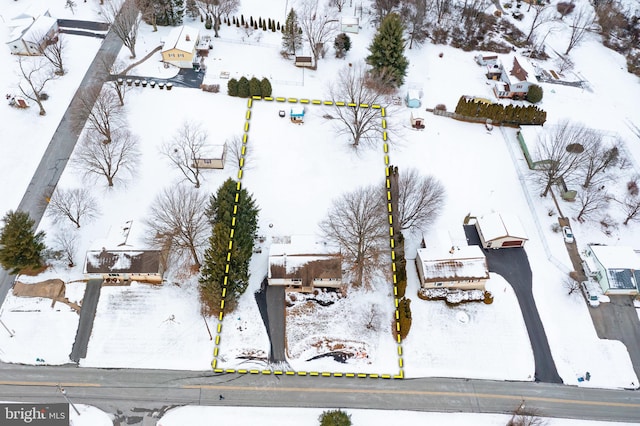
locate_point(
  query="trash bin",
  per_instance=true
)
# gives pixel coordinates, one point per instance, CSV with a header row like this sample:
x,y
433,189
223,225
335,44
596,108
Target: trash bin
x,y
120,81
160,85
152,84
144,83
129,82
169,86
137,83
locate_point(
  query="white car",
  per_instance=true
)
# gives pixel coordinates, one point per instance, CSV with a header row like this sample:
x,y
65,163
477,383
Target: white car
x,y
567,234
590,294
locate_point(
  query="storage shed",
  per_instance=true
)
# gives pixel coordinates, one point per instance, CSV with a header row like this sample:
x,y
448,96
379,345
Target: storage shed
x,y
501,230
350,24
297,115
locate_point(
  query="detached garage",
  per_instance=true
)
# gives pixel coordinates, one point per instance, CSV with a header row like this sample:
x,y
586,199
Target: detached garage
x,y
500,230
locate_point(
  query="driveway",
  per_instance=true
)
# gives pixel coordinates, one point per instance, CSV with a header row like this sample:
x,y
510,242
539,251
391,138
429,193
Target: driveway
x,y
616,320
513,265
85,324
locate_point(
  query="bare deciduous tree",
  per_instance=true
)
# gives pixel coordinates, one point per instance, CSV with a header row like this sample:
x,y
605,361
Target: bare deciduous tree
x,y
420,199
558,162
441,8
414,13
597,159
582,19
123,17
53,51
113,67
526,417
67,242
356,221
571,285
73,204
541,14
178,222
115,160
631,209
220,8
184,150
564,63
338,3
318,27
237,150
591,200
383,8
354,89
36,73
105,113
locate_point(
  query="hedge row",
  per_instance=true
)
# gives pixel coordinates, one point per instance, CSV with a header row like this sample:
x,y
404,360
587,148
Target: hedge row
x,y
246,88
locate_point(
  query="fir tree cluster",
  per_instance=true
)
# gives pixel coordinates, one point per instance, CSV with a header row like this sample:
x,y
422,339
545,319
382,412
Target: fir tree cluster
x,y
227,213
20,246
245,88
500,114
257,24
165,12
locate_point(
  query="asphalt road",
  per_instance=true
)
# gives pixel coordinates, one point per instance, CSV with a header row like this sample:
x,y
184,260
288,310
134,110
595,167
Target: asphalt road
x,y
513,265
139,391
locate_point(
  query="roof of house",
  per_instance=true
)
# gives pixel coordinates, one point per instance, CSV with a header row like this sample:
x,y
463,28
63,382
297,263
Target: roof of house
x,y
500,225
122,261
182,38
297,111
305,257
458,263
523,69
35,30
616,257
349,20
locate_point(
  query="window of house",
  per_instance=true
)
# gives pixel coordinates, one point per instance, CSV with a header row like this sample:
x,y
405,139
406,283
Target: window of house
x,y
207,161
438,284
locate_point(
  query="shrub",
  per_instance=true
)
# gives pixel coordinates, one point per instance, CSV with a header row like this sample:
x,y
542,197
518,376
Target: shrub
x,y
565,8
334,418
341,44
404,312
254,87
488,297
534,95
243,87
265,87
632,187
208,23
232,87
441,107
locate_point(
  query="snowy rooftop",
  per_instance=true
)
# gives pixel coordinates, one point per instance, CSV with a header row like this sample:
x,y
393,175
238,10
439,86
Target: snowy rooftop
x,y
616,257
34,30
304,255
499,225
459,262
527,67
115,261
181,38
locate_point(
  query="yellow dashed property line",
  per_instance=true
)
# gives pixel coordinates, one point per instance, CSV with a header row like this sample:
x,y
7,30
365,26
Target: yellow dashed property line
x,y
241,162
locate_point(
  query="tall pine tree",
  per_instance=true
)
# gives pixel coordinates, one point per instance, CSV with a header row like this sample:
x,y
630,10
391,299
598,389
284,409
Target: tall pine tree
x,y
291,33
20,246
220,212
387,51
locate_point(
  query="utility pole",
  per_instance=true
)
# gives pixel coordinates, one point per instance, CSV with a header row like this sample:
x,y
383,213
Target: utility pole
x,y
63,391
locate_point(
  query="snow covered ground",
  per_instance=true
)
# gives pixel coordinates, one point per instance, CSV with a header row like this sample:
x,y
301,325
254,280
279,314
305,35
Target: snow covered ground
x,y
294,172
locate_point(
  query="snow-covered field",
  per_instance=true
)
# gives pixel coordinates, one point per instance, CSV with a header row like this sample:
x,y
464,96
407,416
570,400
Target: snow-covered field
x,y
294,172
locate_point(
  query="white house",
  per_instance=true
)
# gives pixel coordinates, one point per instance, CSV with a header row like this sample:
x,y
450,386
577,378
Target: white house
x,y
30,34
515,84
460,267
500,230
303,262
615,268
180,45
214,157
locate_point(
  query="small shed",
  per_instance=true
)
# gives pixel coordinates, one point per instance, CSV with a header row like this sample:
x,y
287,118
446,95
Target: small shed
x,y
500,230
413,98
304,61
350,24
297,115
214,158
417,122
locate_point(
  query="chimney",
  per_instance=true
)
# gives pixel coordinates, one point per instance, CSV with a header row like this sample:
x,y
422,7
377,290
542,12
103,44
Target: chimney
x,y
452,250
187,38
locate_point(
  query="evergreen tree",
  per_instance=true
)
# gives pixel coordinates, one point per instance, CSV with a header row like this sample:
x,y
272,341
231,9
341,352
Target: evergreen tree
x,y
534,95
342,44
221,214
404,310
208,23
387,51
278,26
291,36
232,87
243,87
20,246
335,418
254,87
265,87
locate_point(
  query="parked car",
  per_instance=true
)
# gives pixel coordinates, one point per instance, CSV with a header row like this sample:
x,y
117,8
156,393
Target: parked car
x,y
567,234
590,294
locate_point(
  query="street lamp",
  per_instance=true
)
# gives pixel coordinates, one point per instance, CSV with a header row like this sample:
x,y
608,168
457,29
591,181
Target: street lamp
x,y
63,391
